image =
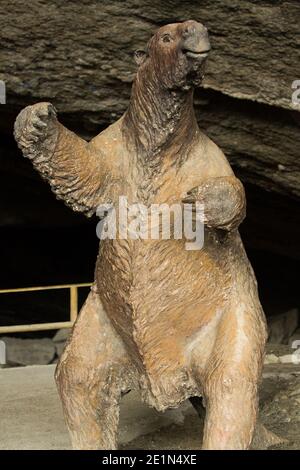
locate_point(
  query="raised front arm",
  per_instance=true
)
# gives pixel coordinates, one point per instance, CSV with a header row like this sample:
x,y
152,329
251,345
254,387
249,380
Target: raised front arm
x,y
224,202
65,160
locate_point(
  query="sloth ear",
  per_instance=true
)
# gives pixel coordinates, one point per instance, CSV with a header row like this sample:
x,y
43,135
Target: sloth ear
x,y
140,56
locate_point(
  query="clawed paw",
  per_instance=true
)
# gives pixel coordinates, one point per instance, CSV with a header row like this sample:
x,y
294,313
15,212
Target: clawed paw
x,y
33,123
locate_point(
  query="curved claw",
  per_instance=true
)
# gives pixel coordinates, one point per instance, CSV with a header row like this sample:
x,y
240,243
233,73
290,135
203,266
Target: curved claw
x,y
32,122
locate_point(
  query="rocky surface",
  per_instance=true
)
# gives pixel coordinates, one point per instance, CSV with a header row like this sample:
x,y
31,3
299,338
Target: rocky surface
x,y
27,352
78,55
281,327
38,351
282,354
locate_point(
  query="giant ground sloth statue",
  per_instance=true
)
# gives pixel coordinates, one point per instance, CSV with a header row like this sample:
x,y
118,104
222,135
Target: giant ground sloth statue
x,y
176,323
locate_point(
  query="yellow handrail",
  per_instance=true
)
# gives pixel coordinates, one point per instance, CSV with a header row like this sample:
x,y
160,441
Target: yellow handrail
x,y
47,326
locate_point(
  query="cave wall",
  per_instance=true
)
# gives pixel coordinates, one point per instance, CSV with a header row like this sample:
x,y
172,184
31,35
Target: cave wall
x,y
78,54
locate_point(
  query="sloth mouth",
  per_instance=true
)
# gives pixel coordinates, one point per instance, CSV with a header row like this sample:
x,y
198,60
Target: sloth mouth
x,y
196,54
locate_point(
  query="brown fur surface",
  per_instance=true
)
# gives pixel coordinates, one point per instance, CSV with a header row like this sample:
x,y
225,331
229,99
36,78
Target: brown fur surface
x,y
177,323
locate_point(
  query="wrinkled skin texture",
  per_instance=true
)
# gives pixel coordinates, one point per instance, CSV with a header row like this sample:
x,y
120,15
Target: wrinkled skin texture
x,y
176,323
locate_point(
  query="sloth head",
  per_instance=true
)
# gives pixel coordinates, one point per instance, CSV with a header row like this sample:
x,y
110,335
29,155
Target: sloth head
x,y
175,56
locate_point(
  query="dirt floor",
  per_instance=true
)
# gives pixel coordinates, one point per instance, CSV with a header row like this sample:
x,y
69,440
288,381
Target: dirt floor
x,y
31,415
280,413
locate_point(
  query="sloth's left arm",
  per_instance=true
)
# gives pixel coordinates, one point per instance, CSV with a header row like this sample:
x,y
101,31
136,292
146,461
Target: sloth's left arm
x,y
223,199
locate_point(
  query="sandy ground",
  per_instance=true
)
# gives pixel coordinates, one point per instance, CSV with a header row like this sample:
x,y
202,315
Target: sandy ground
x,y
280,413
31,415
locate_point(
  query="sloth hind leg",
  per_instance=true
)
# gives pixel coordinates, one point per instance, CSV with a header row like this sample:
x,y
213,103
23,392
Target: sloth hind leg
x,y
229,379
93,373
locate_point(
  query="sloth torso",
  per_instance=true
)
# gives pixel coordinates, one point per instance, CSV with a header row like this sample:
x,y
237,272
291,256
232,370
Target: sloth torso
x,y
159,295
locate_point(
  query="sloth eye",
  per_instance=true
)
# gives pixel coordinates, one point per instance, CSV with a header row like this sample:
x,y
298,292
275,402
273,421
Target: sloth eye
x,y
166,38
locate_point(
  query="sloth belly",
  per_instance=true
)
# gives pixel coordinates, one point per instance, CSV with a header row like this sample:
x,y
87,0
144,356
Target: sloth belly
x,y
158,297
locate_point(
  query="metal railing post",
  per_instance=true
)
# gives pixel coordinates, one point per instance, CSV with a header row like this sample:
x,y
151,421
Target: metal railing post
x,y
47,326
73,303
